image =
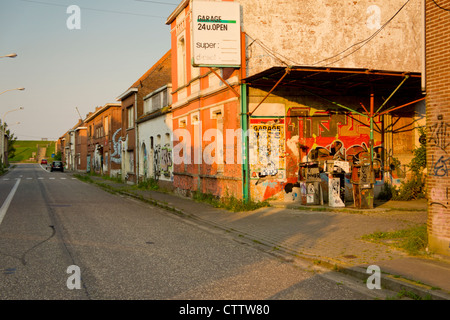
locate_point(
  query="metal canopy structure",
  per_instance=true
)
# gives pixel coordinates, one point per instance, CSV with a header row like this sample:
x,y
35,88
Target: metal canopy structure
x,y
337,81
331,83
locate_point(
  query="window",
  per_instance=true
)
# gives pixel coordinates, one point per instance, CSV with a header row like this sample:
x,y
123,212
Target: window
x,y
130,117
181,62
106,126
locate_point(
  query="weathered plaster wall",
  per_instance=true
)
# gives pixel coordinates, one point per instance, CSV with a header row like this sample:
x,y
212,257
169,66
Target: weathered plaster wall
x,y
305,32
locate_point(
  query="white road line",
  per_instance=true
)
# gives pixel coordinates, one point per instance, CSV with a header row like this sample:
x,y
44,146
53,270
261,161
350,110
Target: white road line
x,y
7,202
5,179
29,178
43,168
63,178
40,178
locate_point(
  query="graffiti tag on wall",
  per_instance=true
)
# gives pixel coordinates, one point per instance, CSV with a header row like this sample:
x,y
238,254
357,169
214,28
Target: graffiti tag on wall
x,y
162,161
116,156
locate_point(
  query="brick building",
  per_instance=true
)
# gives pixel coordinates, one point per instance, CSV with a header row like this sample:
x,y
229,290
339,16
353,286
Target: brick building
x,y
132,102
306,80
101,147
437,20
205,104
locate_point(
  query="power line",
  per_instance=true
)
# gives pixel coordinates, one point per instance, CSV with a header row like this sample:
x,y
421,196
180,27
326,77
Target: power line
x,y
157,2
363,42
94,9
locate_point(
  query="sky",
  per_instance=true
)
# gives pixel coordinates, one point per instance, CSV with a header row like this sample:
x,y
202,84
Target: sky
x,y
63,68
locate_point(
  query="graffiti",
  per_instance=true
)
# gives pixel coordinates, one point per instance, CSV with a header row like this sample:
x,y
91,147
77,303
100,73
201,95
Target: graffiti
x,y
440,167
439,134
145,160
166,161
334,193
162,161
266,148
116,156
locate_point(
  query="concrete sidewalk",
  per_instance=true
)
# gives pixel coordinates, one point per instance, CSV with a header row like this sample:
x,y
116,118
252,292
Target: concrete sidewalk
x,y
324,238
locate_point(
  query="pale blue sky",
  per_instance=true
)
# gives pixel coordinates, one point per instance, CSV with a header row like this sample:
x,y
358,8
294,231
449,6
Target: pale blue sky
x,y
62,69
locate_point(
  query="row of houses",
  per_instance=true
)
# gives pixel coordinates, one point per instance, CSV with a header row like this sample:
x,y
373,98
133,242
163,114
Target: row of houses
x,y
250,130
318,102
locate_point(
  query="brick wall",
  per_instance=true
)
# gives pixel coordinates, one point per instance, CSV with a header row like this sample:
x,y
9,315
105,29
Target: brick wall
x,y
438,122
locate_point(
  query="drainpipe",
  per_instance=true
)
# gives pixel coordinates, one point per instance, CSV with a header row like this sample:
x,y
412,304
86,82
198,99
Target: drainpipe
x,y
136,134
371,125
244,126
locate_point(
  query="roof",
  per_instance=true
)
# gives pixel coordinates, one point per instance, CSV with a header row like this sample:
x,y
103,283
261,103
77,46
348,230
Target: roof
x,y
135,85
326,82
177,11
101,109
338,81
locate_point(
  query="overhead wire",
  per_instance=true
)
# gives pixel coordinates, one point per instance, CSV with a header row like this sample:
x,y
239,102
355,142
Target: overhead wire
x,y
94,9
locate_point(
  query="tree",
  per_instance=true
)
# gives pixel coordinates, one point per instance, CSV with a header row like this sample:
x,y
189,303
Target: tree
x,y
11,140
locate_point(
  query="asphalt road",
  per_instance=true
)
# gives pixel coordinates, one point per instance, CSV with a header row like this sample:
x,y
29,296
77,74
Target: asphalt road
x,y
125,249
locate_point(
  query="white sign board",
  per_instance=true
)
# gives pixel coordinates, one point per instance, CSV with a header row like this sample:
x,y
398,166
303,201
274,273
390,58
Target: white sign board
x,y
216,34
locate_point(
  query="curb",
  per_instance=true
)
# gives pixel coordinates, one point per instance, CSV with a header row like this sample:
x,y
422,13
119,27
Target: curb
x,y
400,285
395,283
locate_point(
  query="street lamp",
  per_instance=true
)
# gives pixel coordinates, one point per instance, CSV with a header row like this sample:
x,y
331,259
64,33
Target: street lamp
x,y
11,55
21,89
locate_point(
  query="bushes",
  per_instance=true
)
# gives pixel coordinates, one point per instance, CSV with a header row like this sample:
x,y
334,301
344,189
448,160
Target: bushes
x,y
410,189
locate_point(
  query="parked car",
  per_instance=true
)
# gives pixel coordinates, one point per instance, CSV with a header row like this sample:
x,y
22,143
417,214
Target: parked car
x,y
57,165
44,161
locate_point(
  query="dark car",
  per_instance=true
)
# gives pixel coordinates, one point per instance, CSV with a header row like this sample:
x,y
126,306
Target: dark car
x,y
57,165
44,161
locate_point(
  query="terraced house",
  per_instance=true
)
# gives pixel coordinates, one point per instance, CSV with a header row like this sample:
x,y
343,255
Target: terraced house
x,y
132,102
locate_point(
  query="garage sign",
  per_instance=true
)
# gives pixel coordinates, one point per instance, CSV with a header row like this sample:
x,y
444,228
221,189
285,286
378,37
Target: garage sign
x,y
216,38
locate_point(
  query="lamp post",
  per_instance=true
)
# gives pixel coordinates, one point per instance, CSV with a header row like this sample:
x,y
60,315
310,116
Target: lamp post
x,y
2,132
11,55
21,89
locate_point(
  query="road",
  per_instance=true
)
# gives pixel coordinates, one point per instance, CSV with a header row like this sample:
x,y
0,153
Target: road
x,y
124,249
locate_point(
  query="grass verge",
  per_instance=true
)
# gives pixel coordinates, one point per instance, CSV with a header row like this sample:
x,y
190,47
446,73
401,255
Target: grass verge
x,y
413,240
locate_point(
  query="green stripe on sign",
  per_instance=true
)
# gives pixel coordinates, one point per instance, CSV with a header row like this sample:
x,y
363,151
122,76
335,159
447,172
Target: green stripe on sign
x,y
220,21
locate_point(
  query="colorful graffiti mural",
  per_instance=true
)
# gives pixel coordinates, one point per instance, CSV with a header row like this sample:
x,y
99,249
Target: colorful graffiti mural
x,y
309,135
116,156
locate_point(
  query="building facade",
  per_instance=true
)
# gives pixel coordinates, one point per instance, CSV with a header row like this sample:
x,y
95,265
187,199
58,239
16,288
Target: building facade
x,y
132,102
309,89
438,114
101,147
155,138
205,105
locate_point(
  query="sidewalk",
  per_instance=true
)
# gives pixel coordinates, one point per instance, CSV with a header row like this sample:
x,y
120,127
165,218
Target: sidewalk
x,y
324,238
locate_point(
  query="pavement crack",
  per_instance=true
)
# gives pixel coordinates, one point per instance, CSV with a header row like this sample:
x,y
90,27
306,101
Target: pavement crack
x,y
22,258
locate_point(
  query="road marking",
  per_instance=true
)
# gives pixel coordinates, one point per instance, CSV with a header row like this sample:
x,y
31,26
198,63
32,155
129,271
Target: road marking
x,y
40,178
7,202
52,178
43,168
63,178
5,179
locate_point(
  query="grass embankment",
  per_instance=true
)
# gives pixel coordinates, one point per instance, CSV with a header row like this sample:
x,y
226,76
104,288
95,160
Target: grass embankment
x,y
26,148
